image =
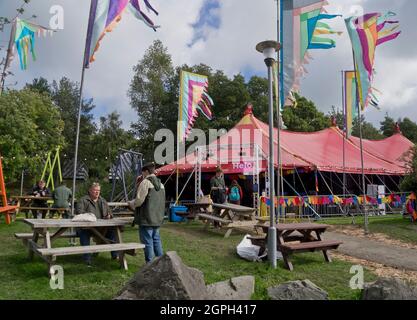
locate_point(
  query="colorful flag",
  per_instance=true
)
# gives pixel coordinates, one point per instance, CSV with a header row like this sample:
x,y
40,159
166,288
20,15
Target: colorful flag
x,y
302,29
366,33
22,40
193,98
104,16
351,101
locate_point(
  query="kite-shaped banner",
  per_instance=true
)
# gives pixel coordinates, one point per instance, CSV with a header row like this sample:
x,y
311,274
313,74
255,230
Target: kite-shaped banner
x,y
302,28
193,98
22,40
366,33
104,16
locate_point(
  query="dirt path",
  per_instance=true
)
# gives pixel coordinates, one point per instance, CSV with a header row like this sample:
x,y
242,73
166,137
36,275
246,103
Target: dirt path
x,y
381,252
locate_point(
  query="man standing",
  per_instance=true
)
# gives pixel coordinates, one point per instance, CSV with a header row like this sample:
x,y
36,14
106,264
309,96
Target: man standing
x,y
218,187
62,196
94,203
40,190
149,207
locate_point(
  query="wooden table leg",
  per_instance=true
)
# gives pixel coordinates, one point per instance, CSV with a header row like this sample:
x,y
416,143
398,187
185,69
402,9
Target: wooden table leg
x,y
35,239
228,233
326,256
287,262
122,257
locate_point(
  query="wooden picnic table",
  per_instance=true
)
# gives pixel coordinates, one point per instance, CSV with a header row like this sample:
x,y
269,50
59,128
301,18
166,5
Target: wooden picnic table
x,y
308,236
194,209
52,229
229,216
234,212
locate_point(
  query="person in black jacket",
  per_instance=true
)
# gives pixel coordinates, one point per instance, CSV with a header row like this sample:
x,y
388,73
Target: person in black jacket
x,y
40,190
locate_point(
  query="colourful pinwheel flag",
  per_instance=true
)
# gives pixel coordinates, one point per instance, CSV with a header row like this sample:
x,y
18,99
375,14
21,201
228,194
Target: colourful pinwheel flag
x,y
22,40
302,29
366,33
193,98
104,16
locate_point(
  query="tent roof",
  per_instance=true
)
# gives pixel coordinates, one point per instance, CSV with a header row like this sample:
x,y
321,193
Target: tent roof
x,y
322,150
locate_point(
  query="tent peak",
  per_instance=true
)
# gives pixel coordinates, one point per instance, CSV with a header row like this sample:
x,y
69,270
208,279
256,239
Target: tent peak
x,y
249,109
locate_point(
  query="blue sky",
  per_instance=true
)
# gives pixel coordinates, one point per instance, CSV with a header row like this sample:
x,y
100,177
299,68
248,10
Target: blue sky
x,y
223,35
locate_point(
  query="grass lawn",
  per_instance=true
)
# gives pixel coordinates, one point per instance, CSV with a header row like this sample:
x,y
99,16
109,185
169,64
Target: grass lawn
x,y
394,226
206,250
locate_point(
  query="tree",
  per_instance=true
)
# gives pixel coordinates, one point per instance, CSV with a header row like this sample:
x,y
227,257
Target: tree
x,y
305,117
66,96
149,94
110,138
409,129
368,130
387,126
339,116
30,127
41,85
409,183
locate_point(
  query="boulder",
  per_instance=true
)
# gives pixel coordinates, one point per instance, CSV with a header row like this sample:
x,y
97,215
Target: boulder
x,y
165,278
239,288
297,290
389,289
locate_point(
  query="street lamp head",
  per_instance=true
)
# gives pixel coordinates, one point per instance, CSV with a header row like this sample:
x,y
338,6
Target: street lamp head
x,y
268,48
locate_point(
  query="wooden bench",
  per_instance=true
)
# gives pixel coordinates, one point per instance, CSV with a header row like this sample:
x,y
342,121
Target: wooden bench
x,y
25,237
47,209
50,254
323,245
213,219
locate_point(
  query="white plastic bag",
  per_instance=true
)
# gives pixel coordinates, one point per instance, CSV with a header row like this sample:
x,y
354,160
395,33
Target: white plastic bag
x,y
85,217
247,250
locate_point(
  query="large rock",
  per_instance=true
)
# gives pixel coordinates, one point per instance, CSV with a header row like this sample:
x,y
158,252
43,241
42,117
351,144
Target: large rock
x,y
297,290
389,289
239,288
165,278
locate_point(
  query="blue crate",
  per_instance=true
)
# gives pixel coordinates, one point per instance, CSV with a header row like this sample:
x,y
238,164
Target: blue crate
x,y
173,217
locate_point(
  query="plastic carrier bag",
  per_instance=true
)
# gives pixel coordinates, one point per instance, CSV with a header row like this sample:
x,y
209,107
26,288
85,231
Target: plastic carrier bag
x,y
247,250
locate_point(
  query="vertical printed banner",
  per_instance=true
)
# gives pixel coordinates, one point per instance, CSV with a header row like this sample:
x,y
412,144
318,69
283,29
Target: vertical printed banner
x,y
351,101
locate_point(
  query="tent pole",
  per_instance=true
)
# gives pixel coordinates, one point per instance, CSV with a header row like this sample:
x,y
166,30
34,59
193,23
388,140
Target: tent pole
x,y
278,103
325,182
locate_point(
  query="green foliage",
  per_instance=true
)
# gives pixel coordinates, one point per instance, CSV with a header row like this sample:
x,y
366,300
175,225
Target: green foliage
x,y
149,94
30,126
368,130
409,183
408,129
387,126
106,144
305,117
66,96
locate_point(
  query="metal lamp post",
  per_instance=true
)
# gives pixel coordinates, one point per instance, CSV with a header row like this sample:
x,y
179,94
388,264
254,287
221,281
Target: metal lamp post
x,y
269,50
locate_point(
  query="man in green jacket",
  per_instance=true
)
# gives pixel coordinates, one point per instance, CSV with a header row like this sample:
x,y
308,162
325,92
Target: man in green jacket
x,y
149,207
62,196
94,203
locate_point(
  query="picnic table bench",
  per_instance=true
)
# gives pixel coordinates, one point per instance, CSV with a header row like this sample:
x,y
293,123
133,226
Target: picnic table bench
x,y
52,229
194,209
288,233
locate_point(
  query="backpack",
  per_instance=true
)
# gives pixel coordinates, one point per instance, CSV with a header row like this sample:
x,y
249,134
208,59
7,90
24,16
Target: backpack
x,y
234,194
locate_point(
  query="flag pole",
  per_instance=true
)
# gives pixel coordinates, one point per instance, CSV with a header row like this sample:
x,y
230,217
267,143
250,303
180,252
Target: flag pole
x,y
366,229
279,172
345,133
93,6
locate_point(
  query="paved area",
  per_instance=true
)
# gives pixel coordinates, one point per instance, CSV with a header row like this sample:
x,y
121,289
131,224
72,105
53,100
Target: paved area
x,y
371,250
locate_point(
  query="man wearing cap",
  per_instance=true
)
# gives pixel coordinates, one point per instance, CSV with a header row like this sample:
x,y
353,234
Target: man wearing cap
x,y
149,207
